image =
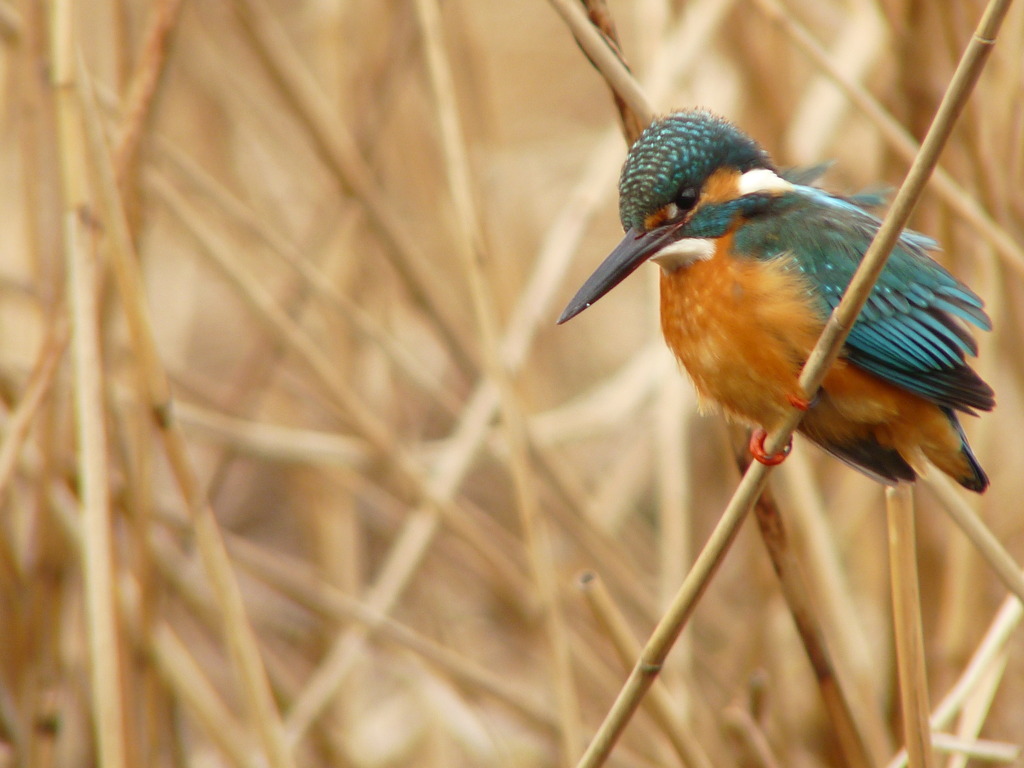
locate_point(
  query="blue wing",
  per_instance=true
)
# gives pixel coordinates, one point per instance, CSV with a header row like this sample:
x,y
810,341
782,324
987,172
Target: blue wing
x,y
911,331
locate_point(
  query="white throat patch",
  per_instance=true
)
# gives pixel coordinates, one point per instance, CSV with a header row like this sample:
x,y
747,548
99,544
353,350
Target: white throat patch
x,y
683,253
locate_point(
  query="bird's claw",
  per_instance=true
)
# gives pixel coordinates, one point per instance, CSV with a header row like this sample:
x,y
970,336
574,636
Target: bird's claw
x,y
757,438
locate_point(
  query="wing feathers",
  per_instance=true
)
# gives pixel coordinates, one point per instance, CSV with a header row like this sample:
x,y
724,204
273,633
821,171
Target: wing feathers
x,y
911,330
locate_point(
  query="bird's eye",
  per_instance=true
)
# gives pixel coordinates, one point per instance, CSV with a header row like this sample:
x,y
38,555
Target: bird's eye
x,y
687,198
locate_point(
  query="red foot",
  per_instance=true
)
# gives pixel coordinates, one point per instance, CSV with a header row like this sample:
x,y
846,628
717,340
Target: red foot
x,y
757,438
798,402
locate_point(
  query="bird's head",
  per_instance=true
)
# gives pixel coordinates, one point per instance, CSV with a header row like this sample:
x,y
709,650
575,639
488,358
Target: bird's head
x,y
690,178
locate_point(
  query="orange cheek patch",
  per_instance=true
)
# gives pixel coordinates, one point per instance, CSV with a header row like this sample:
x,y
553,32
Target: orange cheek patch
x,y
722,185
655,219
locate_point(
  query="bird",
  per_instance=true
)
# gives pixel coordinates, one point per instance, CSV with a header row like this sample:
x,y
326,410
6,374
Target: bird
x,y
753,260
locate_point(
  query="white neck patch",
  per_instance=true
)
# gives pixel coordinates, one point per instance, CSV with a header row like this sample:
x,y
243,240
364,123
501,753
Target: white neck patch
x,y
683,253
762,180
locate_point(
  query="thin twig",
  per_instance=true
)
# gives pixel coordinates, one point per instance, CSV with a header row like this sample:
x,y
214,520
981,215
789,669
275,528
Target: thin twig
x,y
80,247
17,428
601,19
275,442
606,59
142,91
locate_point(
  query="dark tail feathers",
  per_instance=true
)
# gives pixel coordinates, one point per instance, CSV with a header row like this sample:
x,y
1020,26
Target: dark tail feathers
x,y
887,466
976,480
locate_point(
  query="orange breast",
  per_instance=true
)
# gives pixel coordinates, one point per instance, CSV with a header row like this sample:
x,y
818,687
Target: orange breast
x,y
742,329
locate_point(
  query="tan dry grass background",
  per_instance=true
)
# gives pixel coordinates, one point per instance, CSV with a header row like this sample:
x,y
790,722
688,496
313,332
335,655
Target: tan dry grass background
x,y
308,278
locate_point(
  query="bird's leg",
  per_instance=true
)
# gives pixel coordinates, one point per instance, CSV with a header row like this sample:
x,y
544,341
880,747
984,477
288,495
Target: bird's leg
x,y
757,450
757,437
802,403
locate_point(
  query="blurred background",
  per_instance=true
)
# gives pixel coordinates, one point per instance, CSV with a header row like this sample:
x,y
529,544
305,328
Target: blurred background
x,y
354,224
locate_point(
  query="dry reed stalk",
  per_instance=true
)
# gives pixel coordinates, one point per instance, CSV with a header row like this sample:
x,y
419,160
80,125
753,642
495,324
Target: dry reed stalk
x,y
238,633
275,442
674,449
984,541
368,424
296,580
601,19
858,742
906,608
142,89
989,653
178,668
675,617
471,251
368,329
80,243
665,712
339,151
747,729
963,750
609,63
36,389
966,744
817,544
135,450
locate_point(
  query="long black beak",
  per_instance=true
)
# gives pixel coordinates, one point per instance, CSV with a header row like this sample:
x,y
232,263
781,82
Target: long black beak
x,y
636,247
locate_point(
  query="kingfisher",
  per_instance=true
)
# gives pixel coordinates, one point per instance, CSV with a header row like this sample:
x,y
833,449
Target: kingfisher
x,y
753,260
